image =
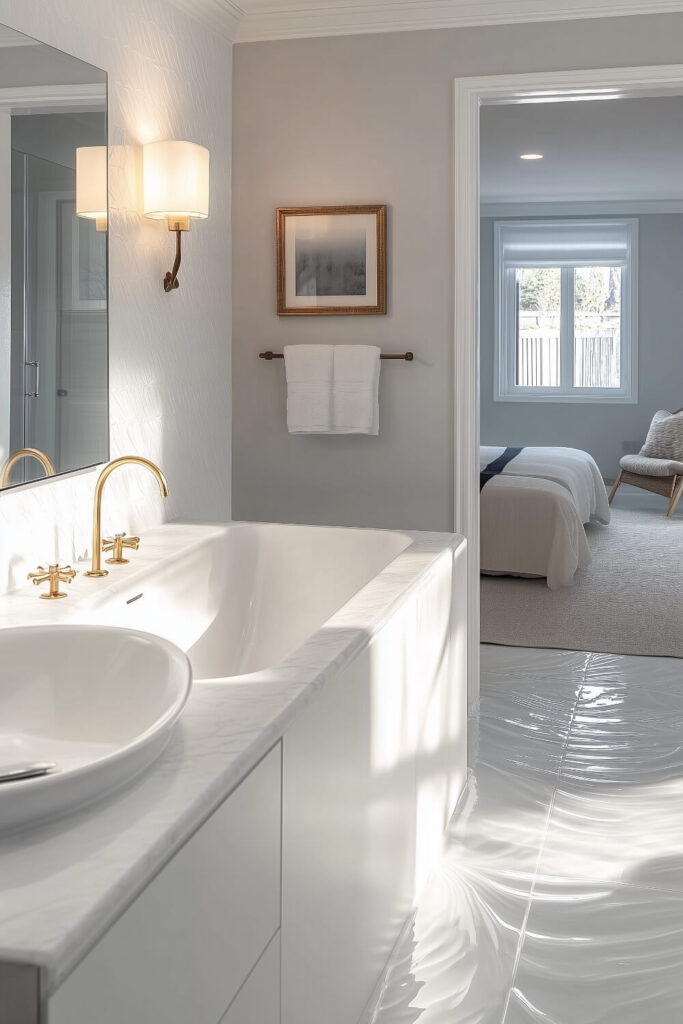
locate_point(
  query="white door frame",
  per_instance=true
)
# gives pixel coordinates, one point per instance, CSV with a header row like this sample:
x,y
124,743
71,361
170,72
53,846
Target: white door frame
x,y
470,95
5,281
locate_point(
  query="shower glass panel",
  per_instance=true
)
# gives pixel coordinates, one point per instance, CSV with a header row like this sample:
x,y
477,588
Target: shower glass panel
x,y
59,330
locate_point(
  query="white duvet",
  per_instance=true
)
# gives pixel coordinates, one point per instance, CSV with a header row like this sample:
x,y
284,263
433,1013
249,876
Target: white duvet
x,y
571,468
532,514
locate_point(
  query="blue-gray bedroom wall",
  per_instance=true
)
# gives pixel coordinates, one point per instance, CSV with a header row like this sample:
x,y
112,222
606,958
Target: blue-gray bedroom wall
x,y
606,431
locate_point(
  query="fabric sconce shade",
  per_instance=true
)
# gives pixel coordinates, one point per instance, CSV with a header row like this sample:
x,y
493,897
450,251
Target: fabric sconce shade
x,y
176,181
176,186
91,184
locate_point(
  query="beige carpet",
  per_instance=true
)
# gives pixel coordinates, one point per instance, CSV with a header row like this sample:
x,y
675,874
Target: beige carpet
x,y
630,600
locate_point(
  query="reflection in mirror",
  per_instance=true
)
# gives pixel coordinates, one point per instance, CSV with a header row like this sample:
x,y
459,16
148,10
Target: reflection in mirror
x,y
53,262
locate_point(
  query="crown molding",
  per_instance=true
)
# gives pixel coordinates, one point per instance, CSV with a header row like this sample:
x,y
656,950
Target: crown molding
x,y
37,99
306,18
223,16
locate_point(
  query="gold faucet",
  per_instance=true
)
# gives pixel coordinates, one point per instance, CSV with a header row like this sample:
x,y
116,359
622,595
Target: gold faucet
x,y
26,453
125,460
55,575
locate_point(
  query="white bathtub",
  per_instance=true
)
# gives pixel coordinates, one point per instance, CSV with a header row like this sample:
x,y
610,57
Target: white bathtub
x,y
365,631
262,590
242,598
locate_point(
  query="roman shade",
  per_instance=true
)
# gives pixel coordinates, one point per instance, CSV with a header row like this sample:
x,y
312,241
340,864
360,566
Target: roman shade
x,y
565,243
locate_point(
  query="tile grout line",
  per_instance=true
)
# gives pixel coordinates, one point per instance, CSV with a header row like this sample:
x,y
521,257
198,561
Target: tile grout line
x,y
541,848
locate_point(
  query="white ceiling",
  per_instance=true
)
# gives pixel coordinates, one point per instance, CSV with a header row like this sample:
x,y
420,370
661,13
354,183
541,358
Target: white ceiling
x,y
624,149
252,20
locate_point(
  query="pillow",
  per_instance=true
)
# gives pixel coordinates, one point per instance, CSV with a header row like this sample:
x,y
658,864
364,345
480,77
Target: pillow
x,y
665,436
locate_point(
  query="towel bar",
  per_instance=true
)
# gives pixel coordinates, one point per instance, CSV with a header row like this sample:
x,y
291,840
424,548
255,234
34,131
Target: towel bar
x,y
406,356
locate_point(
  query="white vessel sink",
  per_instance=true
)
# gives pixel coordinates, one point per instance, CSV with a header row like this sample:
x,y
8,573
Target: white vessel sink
x,y
97,702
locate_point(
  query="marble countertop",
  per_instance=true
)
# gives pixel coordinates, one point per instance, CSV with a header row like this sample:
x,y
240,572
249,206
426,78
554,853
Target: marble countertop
x,y
63,883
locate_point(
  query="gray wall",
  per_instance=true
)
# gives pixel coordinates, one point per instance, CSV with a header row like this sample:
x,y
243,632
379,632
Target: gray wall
x,y
368,119
606,431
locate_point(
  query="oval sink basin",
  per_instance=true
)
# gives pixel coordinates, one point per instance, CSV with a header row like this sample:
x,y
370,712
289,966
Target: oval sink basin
x,y
95,702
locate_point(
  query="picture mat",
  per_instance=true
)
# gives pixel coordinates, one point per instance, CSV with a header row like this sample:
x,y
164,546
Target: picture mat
x,y
317,226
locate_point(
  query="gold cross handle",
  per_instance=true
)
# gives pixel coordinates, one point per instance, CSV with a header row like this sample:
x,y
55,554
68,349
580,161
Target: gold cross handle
x,y
116,544
54,575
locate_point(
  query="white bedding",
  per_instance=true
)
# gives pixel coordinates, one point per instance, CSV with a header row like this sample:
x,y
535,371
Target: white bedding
x,y
571,468
532,514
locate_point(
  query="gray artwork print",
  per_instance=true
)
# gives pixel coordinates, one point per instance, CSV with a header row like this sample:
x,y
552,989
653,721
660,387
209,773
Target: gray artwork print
x,y
331,262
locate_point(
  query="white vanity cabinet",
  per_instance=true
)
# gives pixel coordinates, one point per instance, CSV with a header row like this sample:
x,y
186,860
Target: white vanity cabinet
x,y
202,933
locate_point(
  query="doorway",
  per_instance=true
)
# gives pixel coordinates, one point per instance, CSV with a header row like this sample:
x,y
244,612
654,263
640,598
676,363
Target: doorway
x,y
470,95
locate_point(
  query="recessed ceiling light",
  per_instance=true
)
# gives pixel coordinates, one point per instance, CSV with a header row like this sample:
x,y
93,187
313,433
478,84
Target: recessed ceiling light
x,y
531,156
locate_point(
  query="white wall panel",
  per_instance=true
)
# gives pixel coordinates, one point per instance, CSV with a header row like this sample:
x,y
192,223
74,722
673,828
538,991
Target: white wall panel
x,y
169,77
371,773
258,1001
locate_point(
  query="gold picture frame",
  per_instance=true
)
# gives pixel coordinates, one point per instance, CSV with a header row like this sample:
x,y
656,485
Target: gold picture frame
x,y
331,260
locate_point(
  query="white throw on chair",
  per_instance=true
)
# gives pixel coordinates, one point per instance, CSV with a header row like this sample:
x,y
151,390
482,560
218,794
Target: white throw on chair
x,y
658,467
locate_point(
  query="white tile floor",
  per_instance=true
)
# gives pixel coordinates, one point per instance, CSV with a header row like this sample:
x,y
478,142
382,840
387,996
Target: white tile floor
x,y
559,898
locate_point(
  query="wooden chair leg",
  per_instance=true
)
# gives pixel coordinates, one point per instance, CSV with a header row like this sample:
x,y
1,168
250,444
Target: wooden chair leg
x,y
616,486
676,496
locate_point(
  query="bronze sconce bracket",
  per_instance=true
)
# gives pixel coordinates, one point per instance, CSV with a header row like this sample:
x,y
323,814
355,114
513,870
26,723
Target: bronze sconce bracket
x,y
177,224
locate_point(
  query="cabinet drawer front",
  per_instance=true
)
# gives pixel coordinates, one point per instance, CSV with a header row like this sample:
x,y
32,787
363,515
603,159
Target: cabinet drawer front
x,y
258,1002
180,953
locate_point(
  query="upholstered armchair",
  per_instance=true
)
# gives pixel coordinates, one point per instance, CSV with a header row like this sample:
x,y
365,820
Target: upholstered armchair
x,y
655,468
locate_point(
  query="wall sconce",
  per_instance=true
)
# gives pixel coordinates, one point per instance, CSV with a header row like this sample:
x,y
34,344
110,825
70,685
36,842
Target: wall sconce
x,y
91,184
176,186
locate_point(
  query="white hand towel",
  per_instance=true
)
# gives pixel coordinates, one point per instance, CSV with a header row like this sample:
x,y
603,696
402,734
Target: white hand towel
x,y
309,369
355,389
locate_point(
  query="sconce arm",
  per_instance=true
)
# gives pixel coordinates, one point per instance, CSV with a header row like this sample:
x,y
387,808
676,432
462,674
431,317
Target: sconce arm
x,y
171,279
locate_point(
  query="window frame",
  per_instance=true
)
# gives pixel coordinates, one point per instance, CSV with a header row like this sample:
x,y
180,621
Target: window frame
x,y
505,341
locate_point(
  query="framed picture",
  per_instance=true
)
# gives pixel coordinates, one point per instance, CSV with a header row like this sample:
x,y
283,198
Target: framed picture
x,y
331,260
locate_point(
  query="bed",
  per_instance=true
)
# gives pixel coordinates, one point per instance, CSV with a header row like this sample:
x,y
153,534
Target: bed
x,y
534,505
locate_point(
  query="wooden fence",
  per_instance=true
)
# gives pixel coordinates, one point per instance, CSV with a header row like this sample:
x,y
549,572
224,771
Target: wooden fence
x,y
596,361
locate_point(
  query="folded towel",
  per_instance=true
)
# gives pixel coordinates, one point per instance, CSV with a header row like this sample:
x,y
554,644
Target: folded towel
x,y
332,389
308,369
355,387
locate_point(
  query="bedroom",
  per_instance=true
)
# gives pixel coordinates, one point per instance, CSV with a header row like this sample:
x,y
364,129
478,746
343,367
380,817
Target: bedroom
x,y
581,232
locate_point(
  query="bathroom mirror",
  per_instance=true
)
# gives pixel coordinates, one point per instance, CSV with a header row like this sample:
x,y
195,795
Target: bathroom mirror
x,y
53,262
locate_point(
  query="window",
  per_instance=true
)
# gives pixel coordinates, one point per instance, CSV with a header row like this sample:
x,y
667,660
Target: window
x,y
566,311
